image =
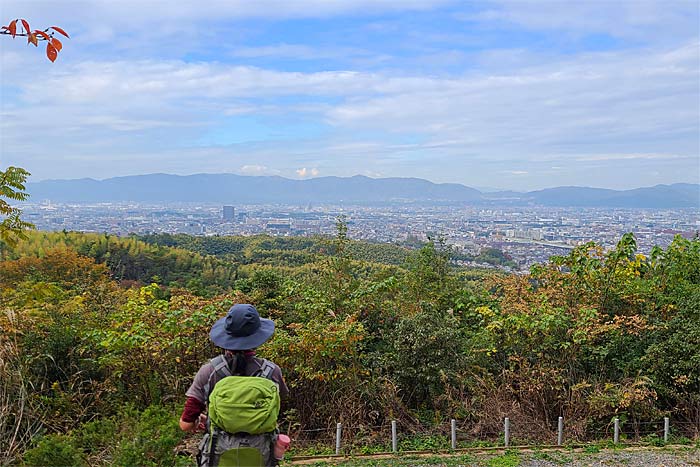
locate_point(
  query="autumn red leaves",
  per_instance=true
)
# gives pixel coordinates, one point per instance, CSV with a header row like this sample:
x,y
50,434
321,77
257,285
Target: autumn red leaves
x,y
53,45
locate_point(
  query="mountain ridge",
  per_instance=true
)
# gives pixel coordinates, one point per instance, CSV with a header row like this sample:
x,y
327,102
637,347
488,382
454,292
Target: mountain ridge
x,y
228,188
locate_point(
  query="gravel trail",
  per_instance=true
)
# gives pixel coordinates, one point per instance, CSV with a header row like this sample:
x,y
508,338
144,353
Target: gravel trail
x,y
674,456
627,458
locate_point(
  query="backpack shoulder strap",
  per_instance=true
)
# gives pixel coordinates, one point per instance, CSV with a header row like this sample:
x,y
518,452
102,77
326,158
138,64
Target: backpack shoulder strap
x,y
221,369
265,370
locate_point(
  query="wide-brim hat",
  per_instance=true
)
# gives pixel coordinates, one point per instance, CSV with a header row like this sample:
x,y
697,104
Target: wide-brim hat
x,y
241,329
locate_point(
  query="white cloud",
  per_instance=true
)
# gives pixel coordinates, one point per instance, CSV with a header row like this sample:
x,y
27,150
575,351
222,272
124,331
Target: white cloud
x,y
608,97
524,107
635,19
123,29
610,157
304,172
254,170
149,81
575,109
114,18
299,52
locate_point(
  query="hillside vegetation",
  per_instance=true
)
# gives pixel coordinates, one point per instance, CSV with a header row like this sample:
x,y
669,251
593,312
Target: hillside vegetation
x,y
100,337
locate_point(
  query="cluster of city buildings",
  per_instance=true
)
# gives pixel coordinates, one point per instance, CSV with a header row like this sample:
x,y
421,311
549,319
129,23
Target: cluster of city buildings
x,y
528,235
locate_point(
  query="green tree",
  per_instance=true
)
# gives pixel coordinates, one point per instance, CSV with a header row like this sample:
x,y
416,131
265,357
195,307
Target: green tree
x,y
12,227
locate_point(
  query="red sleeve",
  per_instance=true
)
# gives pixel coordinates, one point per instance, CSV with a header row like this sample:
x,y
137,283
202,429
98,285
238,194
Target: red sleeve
x,y
193,407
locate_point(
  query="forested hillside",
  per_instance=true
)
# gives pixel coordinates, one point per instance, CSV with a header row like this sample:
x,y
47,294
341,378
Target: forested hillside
x,y
100,337
280,251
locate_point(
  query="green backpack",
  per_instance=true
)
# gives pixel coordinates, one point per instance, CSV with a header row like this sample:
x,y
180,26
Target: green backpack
x,y
245,404
243,414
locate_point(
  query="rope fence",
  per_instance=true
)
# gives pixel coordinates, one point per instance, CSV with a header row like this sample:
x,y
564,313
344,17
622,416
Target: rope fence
x,y
453,435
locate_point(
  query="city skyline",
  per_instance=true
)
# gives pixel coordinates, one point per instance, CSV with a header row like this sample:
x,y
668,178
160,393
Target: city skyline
x,y
497,94
528,235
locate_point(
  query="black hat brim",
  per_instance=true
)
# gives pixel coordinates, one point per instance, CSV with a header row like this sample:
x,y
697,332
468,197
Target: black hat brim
x,y
221,338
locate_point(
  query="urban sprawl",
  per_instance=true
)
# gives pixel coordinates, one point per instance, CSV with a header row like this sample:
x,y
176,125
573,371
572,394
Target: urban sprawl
x,y
528,235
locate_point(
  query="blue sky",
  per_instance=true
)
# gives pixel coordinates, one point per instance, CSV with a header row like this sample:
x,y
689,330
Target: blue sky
x,y
515,95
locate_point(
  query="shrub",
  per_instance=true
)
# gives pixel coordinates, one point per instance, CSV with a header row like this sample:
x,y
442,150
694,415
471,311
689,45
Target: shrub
x,y
152,441
96,435
54,450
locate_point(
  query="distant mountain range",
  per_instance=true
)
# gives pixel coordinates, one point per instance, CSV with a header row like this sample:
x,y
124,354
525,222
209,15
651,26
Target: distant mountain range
x,y
239,189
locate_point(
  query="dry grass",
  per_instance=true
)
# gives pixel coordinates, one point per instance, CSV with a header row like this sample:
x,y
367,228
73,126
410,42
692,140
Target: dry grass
x,y
18,423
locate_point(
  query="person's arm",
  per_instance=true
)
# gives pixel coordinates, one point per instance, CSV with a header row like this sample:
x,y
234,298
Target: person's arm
x,y
190,418
187,426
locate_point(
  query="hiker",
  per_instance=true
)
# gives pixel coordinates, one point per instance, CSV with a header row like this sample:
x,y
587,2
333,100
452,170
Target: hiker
x,y
239,333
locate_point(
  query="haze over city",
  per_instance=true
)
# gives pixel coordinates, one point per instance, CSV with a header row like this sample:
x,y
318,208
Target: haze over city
x,y
504,95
